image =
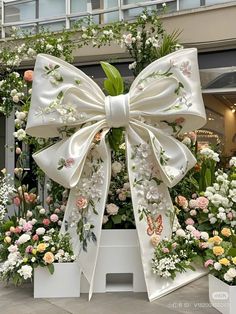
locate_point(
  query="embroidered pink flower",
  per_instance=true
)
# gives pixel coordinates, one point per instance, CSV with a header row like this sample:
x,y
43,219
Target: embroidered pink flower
x,y
179,120
189,221
185,68
82,202
208,263
69,162
202,202
54,218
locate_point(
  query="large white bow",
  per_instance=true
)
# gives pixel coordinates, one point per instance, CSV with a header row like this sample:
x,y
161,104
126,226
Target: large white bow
x,y
164,100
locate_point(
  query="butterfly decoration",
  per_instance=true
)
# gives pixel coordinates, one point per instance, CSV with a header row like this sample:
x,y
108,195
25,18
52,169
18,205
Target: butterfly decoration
x,y
154,225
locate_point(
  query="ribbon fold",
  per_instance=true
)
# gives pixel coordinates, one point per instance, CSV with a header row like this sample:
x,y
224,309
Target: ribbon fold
x,y
164,100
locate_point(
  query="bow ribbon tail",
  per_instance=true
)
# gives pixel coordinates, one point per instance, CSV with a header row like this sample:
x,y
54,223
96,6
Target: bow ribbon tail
x,y
152,206
85,225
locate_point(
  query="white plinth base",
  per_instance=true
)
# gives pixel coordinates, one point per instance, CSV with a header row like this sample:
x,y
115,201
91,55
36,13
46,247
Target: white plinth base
x,y
119,266
222,296
64,283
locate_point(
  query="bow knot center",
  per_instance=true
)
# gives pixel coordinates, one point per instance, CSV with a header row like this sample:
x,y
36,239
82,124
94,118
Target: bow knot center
x,y
117,110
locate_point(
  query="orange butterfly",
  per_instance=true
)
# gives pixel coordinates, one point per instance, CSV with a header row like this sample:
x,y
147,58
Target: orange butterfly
x,y
154,225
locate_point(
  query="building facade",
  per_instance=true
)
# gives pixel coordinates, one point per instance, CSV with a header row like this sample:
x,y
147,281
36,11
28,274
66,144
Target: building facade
x,y
208,25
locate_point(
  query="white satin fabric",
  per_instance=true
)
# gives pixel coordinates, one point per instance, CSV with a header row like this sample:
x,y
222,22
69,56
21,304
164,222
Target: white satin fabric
x,y
150,113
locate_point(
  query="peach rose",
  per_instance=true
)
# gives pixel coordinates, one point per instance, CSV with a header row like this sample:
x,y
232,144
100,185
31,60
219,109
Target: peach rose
x,y
82,202
48,258
218,250
181,201
226,232
41,247
28,75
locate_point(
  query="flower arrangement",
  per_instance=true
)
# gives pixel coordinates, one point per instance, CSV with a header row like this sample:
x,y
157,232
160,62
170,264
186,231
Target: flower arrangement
x,y
177,255
29,245
220,256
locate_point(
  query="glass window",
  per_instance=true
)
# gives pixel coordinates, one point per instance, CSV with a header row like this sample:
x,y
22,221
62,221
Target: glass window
x,y
211,2
186,4
20,12
51,8
78,6
53,27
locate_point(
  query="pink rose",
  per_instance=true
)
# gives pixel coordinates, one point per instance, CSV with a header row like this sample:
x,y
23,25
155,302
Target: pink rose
x,y
18,150
54,218
46,222
27,227
174,245
202,202
16,201
82,202
35,237
189,221
29,249
181,201
230,215
203,245
165,250
18,229
208,263
122,197
57,210
49,200
192,136
196,234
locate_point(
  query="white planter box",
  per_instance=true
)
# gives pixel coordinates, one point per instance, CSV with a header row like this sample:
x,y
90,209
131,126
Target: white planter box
x,y
63,283
222,296
119,266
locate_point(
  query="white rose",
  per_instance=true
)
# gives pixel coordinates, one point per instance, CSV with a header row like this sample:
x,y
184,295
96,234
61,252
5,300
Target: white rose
x,y
42,211
40,231
180,233
217,266
204,236
16,99
193,212
112,209
186,141
23,238
231,272
105,219
190,228
227,277
25,271
13,248
116,167
213,220
232,162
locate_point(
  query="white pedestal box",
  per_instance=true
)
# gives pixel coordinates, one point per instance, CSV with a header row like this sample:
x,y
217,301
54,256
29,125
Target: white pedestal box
x,y
119,266
63,283
222,296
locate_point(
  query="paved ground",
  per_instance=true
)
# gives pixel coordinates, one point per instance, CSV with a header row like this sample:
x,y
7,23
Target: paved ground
x,y
191,299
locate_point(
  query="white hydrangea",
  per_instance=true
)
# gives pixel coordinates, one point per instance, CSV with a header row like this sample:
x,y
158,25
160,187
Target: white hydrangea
x,y
25,271
20,134
209,153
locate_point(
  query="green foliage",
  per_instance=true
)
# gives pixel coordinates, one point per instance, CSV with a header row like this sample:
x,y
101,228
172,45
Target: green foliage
x,y
114,84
